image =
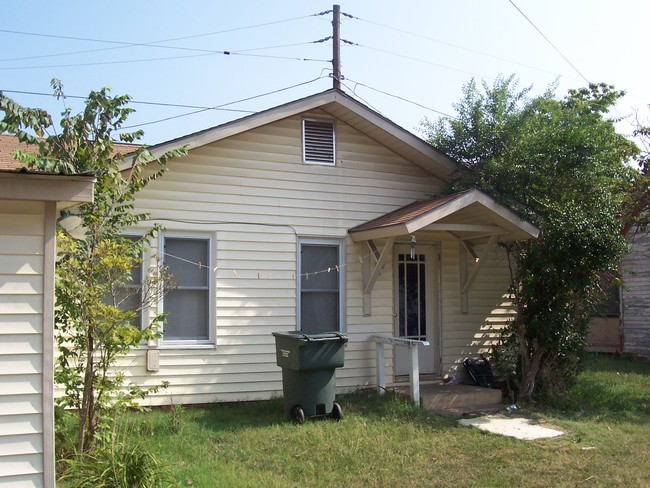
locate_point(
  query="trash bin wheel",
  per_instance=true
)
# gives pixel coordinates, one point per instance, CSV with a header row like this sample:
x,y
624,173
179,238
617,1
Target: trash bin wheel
x,y
298,414
337,411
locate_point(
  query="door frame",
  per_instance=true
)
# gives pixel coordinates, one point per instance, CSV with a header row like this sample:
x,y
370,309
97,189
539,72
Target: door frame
x,y
433,296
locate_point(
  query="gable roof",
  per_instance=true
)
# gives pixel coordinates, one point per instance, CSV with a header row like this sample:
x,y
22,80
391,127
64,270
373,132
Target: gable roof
x,y
340,106
471,215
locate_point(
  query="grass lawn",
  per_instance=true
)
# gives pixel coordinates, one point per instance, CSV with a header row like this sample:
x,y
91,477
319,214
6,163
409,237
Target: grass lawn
x,y
385,441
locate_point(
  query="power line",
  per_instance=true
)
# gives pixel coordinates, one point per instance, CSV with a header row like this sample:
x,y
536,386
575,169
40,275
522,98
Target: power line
x,y
239,51
417,59
399,98
178,105
220,107
353,91
124,44
100,63
204,51
200,109
169,58
457,46
549,41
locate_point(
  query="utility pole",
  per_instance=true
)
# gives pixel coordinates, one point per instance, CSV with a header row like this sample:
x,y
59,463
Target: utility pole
x,y
336,48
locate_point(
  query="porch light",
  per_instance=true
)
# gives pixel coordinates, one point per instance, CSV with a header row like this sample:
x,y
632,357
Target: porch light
x,y
413,247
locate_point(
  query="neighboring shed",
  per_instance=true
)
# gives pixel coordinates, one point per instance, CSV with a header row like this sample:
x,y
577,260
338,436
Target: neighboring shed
x,y
623,322
635,296
29,206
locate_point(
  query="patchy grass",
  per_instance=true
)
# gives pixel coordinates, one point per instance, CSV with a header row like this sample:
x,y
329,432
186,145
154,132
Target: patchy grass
x,y
386,442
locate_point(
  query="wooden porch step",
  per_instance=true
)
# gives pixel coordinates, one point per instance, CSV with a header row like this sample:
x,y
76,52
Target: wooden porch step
x,y
460,399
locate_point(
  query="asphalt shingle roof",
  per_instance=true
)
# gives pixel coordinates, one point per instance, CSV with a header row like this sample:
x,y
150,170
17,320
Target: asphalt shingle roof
x,y
406,213
9,143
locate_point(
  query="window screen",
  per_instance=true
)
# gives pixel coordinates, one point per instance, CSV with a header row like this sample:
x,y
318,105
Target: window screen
x,y
187,305
320,288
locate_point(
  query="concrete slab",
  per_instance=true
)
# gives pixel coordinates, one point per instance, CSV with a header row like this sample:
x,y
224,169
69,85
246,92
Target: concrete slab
x,y
518,427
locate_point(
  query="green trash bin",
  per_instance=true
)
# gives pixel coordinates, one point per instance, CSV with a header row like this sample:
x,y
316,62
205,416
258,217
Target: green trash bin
x,y
308,363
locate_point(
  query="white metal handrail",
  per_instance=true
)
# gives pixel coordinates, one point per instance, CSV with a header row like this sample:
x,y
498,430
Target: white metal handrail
x,y
413,346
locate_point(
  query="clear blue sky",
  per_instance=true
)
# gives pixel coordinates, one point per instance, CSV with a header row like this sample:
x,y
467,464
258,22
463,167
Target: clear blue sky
x,y
423,51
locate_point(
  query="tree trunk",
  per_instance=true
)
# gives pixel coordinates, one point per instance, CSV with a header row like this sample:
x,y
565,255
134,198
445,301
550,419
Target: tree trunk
x,y
531,359
86,414
529,377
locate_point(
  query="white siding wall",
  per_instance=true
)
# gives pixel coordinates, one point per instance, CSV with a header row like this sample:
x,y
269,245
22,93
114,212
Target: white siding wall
x,y
258,177
21,342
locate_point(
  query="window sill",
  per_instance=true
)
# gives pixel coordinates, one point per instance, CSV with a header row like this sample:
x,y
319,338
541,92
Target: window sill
x,y
180,345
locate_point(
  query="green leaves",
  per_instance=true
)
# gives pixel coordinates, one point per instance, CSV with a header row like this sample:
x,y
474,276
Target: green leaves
x,y
94,325
560,164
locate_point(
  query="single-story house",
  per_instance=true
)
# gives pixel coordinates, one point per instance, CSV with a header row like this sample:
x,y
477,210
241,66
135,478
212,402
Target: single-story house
x,y
29,205
319,214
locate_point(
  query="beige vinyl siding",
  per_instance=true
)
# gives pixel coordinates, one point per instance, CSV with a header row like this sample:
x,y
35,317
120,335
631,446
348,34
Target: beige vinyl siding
x,y
635,297
252,193
490,307
21,343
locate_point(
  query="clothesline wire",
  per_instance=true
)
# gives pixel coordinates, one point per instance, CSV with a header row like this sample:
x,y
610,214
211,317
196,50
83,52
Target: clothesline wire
x,y
329,269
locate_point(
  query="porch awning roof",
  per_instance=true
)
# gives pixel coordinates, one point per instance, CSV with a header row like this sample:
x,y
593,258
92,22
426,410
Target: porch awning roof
x,y
471,215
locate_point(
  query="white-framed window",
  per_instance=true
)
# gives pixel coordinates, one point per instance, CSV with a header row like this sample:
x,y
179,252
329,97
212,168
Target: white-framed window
x,y
318,142
321,286
188,306
128,295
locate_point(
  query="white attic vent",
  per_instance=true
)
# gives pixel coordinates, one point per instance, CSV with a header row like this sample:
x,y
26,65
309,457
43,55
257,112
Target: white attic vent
x,y
318,141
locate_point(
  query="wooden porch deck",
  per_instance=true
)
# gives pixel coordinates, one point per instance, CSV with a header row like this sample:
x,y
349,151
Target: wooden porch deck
x,y
457,399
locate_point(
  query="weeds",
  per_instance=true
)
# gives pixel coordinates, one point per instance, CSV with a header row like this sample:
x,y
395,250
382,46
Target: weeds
x,y
116,460
387,441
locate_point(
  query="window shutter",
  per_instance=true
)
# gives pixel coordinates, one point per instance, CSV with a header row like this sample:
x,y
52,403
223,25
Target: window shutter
x,y
318,141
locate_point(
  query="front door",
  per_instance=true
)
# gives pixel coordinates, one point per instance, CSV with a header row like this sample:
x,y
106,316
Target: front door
x,y
415,299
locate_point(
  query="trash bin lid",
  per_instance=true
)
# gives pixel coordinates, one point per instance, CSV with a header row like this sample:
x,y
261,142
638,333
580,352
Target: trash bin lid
x,y
299,335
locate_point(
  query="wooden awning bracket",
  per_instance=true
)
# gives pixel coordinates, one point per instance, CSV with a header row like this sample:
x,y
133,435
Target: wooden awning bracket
x,y
373,249
467,279
371,271
468,247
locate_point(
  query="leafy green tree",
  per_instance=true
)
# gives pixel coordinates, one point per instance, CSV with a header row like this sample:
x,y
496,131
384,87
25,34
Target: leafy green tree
x,y
636,213
96,316
561,164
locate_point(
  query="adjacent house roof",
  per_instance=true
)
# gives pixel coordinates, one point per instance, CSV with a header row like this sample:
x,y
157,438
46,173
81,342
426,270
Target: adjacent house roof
x,y
342,107
17,183
10,143
471,215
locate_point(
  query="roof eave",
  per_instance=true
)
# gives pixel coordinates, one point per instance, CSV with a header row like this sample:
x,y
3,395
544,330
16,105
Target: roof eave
x,y
379,233
67,190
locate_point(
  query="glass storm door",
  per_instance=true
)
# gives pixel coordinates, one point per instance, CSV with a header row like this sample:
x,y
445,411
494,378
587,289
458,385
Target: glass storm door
x,y
414,305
